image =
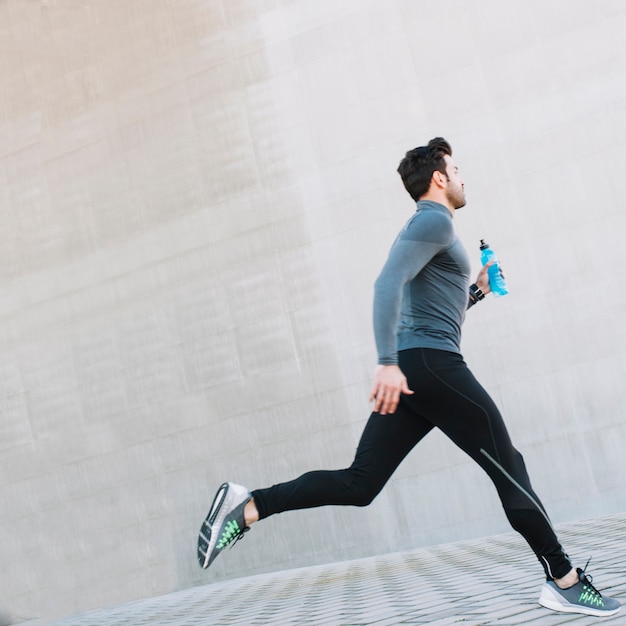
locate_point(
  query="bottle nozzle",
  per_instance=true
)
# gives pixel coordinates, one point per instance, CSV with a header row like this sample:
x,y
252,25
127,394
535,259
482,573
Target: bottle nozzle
x,y
483,245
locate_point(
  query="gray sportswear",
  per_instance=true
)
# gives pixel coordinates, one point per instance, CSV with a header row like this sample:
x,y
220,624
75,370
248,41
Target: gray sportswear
x,y
421,294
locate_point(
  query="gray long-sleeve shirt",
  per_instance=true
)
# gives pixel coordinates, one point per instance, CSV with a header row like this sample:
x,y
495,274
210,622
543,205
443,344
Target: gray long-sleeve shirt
x,y
421,294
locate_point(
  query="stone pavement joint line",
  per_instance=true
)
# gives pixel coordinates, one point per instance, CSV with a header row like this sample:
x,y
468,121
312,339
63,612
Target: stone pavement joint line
x,y
465,583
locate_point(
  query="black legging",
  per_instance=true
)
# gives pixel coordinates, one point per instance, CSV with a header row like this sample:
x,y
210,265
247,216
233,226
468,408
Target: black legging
x,y
446,395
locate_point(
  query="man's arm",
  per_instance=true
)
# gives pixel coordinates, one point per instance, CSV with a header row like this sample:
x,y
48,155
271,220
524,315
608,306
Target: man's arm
x,y
424,237
406,260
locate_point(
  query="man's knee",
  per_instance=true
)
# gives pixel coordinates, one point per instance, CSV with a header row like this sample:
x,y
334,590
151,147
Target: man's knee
x,y
363,492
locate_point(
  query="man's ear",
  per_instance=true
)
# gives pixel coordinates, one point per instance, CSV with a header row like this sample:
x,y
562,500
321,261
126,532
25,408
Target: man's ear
x,y
439,179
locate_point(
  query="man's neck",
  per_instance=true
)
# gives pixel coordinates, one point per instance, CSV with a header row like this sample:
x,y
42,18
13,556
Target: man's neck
x,y
439,199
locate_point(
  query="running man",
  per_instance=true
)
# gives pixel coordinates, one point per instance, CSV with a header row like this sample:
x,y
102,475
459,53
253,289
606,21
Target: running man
x,y
421,382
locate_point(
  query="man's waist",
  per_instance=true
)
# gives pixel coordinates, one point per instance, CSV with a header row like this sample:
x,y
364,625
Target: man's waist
x,y
429,338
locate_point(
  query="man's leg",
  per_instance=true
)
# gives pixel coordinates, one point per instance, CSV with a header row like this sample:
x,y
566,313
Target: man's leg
x,y
452,399
385,441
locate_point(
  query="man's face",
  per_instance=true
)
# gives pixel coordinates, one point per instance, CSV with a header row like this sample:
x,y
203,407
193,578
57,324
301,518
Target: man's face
x,y
455,191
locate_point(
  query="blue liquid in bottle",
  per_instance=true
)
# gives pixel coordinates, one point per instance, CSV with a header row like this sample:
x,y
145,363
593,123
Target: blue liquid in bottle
x,y
496,280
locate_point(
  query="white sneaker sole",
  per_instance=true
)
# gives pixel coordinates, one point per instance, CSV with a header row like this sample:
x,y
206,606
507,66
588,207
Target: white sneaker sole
x,y
227,498
550,600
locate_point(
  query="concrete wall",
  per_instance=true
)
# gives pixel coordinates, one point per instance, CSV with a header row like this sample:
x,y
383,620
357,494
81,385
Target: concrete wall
x,y
196,197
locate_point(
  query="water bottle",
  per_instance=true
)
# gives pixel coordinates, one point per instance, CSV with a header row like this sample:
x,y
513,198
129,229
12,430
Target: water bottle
x,y
496,280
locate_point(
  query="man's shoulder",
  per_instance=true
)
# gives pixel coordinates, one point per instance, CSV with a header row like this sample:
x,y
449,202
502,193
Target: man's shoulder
x,y
428,224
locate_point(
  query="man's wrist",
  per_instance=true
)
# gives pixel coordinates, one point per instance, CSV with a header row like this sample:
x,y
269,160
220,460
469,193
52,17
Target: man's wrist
x,y
388,362
476,293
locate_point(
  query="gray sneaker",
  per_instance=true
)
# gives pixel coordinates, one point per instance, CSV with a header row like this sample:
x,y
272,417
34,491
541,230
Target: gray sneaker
x,y
583,597
225,524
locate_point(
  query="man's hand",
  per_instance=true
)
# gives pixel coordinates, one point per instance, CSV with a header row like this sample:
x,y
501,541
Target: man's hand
x,y
389,383
483,278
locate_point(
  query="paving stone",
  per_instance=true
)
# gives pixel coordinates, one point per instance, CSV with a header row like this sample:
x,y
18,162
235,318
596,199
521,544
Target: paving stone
x,y
464,583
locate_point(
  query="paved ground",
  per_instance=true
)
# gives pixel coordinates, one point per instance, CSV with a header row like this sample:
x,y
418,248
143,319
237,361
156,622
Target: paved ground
x,y
460,583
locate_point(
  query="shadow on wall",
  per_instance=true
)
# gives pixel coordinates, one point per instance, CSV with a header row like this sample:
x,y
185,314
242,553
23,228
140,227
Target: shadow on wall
x,y
7,620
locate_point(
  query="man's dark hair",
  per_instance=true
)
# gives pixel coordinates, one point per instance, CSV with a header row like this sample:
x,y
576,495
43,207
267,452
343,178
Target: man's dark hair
x,y
418,165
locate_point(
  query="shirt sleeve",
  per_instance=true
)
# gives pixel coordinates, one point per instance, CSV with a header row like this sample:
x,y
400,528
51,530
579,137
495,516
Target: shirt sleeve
x,y
424,237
